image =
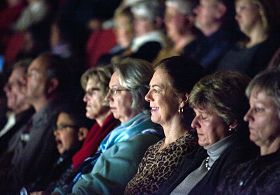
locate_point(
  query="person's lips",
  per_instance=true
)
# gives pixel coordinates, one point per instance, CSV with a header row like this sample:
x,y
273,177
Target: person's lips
x,y
154,109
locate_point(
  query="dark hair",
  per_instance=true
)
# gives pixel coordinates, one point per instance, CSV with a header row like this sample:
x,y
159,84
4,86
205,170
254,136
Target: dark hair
x,y
75,108
183,71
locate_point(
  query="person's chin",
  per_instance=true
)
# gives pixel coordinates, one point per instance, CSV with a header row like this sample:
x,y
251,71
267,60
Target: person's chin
x,y
116,116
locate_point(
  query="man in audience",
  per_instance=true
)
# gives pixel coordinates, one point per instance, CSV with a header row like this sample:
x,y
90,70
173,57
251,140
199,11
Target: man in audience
x,y
19,110
33,151
215,19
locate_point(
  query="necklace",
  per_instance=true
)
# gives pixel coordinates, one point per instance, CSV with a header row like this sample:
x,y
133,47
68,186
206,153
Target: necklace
x,y
207,163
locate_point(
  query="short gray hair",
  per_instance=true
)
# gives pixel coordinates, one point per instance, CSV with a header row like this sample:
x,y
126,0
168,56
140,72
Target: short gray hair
x,y
148,9
183,6
135,75
267,81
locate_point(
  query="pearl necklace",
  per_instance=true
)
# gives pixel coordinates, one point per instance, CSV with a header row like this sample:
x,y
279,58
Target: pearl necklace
x,y
207,163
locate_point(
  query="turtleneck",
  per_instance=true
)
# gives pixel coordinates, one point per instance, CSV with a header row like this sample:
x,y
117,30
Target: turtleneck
x,y
215,150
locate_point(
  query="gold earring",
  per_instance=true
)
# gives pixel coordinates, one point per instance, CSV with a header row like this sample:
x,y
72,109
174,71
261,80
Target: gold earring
x,y
181,110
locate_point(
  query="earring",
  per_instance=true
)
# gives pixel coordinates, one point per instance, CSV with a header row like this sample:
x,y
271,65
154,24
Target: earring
x,y
181,110
231,130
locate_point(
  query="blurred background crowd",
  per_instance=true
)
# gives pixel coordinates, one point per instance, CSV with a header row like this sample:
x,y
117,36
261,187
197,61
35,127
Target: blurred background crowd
x,y
96,67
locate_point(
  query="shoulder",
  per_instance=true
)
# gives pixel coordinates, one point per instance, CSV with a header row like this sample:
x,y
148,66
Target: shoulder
x,y
135,144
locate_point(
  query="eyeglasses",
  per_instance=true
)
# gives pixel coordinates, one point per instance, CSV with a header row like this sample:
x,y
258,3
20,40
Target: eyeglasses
x,y
115,91
64,126
91,91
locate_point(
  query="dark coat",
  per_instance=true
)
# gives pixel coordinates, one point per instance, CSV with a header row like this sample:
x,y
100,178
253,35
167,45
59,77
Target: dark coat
x,y
240,151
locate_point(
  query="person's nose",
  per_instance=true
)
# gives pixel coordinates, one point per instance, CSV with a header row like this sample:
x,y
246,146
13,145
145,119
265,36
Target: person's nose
x,y
248,115
108,97
195,123
85,98
148,96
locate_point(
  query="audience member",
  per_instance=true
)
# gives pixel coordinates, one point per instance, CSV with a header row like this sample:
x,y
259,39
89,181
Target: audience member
x,y
148,38
67,38
262,174
34,146
20,110
123,30
259,21
35,12
215,19
169,91
70,131
219,106
95,83
180,29
119,154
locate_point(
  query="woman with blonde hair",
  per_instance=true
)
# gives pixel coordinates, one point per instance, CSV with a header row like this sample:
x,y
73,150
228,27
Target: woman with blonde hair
x,y
259,20
262,174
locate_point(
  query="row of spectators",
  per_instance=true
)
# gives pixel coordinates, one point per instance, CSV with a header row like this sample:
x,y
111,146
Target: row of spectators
x,y
80,77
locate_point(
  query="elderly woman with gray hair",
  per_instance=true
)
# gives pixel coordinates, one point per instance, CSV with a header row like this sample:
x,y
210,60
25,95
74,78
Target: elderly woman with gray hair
x,y
119,154
261,175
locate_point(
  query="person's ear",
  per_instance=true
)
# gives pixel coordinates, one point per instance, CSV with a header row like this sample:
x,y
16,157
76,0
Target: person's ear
x,y
232,127
52,85
82,133
221,10
184,100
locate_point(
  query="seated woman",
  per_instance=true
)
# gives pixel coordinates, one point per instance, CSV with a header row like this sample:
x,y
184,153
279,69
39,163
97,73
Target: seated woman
x,y
260,21
219,106
148,39
168,97
119,154
261,175
95,83
123,31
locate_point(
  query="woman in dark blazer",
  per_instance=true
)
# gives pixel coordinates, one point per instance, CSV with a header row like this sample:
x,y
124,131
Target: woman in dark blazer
x,y
219,106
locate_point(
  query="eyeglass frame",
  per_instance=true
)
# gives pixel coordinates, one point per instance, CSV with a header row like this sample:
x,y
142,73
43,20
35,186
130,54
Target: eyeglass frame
x,y
115,91
64,126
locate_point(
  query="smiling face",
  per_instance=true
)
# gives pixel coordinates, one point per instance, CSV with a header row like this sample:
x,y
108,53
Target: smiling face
x,y
247,15
263,118
66,134
94,98
120,100
164,102
209,126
